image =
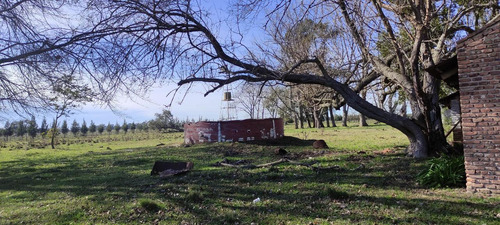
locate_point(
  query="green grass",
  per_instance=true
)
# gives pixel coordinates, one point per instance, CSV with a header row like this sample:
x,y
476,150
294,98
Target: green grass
x,y
352,138
84,183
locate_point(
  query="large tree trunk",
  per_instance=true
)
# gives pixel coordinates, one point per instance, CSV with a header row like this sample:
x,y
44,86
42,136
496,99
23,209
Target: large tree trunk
x,y
292,107
435,130
330,108
362,118
321,118
327,118
345,111
418,147
317,116
295,120
308,118
301,117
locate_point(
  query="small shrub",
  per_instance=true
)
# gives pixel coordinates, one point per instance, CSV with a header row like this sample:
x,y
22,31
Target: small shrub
x,y
150,205
443,172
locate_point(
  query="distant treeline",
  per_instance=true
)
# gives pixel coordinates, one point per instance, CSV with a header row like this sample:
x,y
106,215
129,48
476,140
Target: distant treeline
x,y
163,122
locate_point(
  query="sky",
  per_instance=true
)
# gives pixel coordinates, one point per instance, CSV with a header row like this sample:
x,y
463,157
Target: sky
x,y
193,106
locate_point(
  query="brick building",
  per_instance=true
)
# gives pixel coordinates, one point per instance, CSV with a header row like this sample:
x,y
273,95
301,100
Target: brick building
x,y
233,130
478,58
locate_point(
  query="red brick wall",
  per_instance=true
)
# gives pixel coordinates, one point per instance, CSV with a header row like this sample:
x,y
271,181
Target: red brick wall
x,y
479,78
233,131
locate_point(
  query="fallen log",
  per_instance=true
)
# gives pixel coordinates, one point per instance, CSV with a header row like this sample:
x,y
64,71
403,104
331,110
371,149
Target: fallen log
x,y
284,160
254,166
251,166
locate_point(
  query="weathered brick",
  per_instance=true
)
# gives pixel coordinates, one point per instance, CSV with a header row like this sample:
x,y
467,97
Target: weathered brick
x,y
491,186
495,191
489,178
483,190
473,168
479,80
476,185
478,155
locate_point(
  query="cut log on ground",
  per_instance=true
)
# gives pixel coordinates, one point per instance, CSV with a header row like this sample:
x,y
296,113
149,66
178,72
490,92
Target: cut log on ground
x,y
250,166
317,169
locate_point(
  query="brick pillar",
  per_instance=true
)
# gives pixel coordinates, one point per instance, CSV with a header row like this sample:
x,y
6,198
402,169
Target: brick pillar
x,y
479,79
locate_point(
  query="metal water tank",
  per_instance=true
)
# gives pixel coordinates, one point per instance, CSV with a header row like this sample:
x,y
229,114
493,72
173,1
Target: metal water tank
x,y
227,96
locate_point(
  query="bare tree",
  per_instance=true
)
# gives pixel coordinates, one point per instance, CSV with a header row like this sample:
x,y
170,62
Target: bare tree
x,y
403,67
127,44
250,99
272,102
299,38
44,41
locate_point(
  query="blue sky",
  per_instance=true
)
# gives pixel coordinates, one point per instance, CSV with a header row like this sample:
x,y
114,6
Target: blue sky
x,y
194,106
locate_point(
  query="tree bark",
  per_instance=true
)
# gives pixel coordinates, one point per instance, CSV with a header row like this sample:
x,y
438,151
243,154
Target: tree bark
x,y
402,111
344,115
317,117
418,146
435,132
332,116
362,118
320,118
301,117
295,120
327,118
292,107
54,132
308,120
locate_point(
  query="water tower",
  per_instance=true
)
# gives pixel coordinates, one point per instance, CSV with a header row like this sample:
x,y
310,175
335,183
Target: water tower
x,y
228,106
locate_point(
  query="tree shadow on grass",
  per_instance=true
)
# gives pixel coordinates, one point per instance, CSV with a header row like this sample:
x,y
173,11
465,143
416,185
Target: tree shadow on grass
x,y
84,175
233,200
285,141
226,194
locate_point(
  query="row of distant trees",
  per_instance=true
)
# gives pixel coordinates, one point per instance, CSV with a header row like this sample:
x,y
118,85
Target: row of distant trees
x,y
163,122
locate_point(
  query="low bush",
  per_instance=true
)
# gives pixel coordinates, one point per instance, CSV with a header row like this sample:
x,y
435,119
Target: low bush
x,y
443,172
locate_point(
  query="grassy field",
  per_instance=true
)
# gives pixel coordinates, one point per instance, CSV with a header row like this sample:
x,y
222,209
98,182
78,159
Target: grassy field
x,y
364,178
